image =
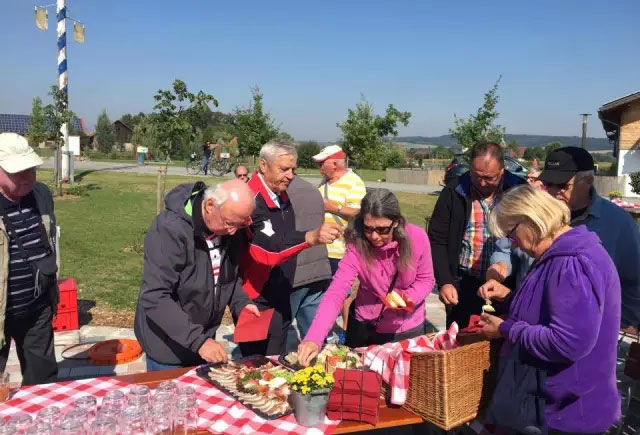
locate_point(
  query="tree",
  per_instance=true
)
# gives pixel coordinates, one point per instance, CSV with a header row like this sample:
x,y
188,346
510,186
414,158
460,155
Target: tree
x,y
481,125
396,157
635,182
56,115
37,123
177,115
513,146
306,150
105,133
253,126
441,152
363,133
132,120
552,146
145,133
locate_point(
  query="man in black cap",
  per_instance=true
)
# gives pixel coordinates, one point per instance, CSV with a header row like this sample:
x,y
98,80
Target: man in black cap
x,y
568,175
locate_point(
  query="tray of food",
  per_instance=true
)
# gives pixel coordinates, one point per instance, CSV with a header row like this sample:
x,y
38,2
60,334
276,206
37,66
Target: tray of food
x,y
332,356
256,382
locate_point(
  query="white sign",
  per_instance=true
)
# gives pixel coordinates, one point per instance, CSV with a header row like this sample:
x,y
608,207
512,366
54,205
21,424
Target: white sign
x,y
142,150
74,145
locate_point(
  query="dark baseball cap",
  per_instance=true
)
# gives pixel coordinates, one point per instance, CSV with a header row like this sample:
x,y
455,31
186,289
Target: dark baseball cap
x,y
562,163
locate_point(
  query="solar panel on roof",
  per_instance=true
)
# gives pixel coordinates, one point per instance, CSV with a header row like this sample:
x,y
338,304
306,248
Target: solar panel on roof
x,y
10,123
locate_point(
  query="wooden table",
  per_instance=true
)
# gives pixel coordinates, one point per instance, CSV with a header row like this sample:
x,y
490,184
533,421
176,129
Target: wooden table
x,y
389,417
633,211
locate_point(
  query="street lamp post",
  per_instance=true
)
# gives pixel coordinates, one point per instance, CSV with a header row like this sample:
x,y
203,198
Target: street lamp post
x,y
584,129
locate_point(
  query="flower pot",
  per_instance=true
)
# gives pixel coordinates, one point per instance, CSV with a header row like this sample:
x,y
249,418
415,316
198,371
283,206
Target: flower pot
x,y
309,409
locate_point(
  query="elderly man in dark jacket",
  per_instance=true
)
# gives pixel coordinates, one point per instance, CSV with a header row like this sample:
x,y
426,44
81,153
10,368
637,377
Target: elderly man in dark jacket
x,y
191,256
461,243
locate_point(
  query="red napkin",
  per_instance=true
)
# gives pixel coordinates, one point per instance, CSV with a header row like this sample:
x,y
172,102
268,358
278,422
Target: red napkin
x,y
355,396
252,328
475,324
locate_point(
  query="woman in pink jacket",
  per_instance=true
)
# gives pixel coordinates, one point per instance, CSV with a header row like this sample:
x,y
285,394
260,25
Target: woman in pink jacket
x,y
385,253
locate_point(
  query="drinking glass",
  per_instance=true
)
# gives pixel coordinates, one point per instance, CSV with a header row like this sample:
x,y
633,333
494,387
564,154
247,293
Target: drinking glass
x,y
72,426
89,404
140,390
167,387
110,411
133,421
5,387
186,391
115,398
50,415
161,419
8,429
40,428
141,402
186,416
21,422
104,425
77,414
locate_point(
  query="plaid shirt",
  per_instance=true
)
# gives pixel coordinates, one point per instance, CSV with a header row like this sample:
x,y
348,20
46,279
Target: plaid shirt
x,y
477,243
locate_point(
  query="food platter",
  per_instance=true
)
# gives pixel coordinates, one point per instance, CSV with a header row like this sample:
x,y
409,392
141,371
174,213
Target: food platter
x,y
332,356
255,382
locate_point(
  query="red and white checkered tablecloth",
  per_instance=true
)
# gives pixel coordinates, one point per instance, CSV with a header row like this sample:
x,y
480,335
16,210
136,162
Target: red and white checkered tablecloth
x,y
393,360
220,413
62,394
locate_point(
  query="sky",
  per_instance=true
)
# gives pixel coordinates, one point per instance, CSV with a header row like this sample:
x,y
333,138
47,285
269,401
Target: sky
x,y
314,60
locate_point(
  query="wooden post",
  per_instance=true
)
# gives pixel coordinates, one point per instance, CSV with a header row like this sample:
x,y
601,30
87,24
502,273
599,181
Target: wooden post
x,y
159,192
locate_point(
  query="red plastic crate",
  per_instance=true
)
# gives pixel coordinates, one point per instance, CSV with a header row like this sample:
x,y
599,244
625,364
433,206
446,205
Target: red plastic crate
x,y
65,320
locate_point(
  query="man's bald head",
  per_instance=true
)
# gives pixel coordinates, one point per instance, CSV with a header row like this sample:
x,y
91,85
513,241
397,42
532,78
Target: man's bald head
x,y
227,207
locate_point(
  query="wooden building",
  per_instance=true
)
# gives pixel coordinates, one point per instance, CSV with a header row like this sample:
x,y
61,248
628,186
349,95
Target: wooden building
x,y
621,122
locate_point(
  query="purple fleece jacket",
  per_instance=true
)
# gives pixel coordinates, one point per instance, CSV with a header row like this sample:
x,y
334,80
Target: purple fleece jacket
x,y
567,314
415,283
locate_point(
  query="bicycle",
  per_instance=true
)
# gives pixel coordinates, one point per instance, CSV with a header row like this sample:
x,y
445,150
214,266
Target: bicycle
x,y
215,167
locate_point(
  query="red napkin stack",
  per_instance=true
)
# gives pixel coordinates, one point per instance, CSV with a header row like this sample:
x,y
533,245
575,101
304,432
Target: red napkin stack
x,y
355,396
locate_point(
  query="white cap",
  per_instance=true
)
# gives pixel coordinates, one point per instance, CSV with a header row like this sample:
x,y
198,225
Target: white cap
x,y
15,153
330,152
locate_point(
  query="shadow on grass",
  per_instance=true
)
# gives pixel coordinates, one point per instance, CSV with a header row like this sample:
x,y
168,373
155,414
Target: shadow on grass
x,y
84,308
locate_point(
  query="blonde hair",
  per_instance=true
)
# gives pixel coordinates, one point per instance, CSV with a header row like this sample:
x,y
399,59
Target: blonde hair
x,y
536,209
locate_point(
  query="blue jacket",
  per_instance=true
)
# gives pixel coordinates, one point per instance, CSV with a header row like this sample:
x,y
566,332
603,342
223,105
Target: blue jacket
x,y
620,237
566,314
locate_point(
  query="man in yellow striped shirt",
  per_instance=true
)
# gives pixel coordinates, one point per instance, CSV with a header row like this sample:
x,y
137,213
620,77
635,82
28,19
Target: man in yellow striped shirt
x,y
342,191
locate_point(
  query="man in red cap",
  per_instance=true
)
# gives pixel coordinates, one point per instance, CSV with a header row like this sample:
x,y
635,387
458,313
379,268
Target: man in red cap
x,y
342,191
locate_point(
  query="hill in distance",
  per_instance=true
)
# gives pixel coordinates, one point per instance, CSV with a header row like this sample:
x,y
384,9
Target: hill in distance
x,y
526,140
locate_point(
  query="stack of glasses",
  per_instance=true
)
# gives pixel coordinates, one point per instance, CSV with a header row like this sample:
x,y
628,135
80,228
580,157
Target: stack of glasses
x,y
168,411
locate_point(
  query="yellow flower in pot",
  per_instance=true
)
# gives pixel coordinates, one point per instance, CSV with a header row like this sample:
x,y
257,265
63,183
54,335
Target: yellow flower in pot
x,y
309,396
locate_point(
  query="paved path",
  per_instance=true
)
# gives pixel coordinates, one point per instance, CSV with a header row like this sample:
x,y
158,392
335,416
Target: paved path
x,y
179,170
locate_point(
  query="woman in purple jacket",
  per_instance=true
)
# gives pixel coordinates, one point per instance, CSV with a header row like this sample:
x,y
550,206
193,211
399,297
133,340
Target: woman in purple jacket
x,y
566,313
379,243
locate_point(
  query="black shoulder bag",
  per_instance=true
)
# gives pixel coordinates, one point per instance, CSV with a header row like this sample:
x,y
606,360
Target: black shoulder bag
x,y
44,269
359,333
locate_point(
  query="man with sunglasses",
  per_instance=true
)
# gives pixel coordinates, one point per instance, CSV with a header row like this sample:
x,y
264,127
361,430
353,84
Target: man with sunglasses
x,y
242,173
568,175
192,253
461,243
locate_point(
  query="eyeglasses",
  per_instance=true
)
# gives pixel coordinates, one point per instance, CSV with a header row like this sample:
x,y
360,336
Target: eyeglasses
x,y
383,231
559,187
510,234
531,179
242,175
486,178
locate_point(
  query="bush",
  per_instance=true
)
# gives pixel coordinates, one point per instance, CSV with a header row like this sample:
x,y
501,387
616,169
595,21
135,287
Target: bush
x,y
635,182
306,150
615,194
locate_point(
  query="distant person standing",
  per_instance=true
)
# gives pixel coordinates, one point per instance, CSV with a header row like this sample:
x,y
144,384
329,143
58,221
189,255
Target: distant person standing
x,y
342,191
242,173
206,156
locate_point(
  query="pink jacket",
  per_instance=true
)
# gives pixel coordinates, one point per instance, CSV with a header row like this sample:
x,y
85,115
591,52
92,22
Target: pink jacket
x,y
415,283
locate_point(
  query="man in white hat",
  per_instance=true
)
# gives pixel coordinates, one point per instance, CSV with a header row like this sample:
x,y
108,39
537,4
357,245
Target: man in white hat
x,y
28,285
342,190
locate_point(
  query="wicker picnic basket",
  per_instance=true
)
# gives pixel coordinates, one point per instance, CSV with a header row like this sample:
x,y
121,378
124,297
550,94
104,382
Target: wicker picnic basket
x,y
449,387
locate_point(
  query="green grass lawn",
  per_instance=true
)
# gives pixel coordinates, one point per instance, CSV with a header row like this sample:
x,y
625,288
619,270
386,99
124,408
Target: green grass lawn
x,y
102,233
365,174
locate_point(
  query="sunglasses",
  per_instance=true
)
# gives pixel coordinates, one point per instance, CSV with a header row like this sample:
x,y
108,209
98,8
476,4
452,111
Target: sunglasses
x,y
242,175
510,234
383,231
